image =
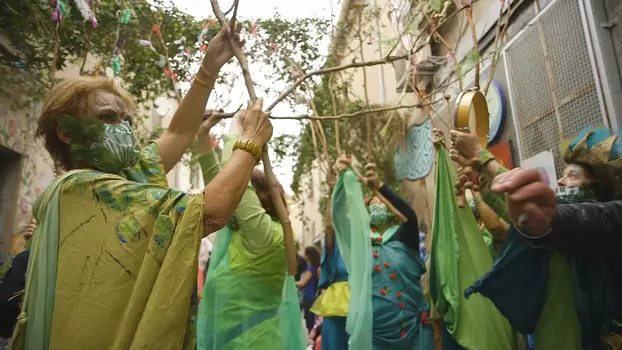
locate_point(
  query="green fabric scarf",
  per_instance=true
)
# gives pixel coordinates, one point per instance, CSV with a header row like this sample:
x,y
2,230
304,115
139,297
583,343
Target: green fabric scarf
x,y
459,256
38,306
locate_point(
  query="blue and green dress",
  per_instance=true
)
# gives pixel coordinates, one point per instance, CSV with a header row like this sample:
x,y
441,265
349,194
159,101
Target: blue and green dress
x,y
332,305
385,271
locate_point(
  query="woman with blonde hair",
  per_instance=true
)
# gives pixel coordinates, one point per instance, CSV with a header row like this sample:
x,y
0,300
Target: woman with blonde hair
x,y
116,267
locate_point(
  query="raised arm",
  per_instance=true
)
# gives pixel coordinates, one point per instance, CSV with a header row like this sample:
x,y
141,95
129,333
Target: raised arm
x,y
587,228
207,158
179,135
224,193
254,222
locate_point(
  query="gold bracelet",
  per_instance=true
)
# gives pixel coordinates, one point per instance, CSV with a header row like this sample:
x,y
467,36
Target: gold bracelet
x,y
201,82
248,146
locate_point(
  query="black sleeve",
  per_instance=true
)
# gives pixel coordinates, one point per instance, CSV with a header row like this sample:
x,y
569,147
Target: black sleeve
x,y
400,204
587,228
408,231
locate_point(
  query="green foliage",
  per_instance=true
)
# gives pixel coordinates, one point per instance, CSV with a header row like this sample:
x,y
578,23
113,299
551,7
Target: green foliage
x,y
29,26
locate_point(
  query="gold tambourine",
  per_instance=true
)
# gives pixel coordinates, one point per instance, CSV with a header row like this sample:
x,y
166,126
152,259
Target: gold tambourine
x,y
476,100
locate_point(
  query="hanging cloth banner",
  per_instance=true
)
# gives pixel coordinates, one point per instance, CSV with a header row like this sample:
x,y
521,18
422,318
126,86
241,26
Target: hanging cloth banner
x,y
459,256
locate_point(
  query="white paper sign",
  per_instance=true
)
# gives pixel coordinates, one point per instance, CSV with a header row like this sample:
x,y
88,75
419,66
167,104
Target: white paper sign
x,y
544,161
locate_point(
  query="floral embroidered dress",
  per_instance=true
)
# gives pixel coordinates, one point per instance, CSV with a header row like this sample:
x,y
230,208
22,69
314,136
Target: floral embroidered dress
x,y
114,262
384,273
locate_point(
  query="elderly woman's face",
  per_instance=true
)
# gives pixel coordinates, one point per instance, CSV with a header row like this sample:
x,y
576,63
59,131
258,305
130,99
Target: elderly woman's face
x,y
105,106
574,176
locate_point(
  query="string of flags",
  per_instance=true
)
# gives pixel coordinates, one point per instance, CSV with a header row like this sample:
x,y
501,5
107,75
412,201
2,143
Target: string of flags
x,y
124,18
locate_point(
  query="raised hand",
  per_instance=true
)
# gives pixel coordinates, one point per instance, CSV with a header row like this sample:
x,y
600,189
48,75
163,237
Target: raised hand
x,y
531,202
30,229
342,163
371,177
467,144
204,137
256,126
219,51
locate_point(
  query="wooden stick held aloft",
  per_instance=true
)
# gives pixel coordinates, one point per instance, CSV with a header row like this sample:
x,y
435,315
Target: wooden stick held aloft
x,y
290,250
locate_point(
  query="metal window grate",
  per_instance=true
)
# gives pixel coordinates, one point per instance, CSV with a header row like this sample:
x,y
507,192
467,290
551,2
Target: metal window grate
x,y
556,36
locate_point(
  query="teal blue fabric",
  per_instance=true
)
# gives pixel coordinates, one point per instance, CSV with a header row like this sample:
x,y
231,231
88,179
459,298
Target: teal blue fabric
x,y
333,268
516,284
391,281
599,135
401,313
351,223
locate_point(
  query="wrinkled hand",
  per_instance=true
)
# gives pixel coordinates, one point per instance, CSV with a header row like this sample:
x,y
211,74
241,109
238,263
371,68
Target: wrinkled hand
x,y
257,127
219,50
531,202
465,143
371,177
343,163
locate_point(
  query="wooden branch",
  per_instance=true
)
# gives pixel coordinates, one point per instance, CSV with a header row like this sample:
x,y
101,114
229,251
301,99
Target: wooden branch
x,y
365,94
336,121
346,115
469,16
501,36
275,190
234,5
385,60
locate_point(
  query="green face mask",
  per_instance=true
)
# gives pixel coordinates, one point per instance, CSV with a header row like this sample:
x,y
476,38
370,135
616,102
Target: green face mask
x,y
378,214
109,148
578,194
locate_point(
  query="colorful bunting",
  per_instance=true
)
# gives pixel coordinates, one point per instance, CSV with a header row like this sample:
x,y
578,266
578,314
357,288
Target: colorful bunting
x,y
147,43
156,29
126,16
116,65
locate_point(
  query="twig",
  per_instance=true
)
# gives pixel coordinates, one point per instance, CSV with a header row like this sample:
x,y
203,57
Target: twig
x,y
497,52
234,5
385,60
366,95
469,16
335,122
345,115
275,191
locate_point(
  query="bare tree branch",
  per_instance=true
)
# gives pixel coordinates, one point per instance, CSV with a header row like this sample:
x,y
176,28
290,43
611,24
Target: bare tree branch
x,y
275,190
385,60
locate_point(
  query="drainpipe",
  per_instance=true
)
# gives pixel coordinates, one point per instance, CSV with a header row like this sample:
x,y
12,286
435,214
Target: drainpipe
x,y
380,66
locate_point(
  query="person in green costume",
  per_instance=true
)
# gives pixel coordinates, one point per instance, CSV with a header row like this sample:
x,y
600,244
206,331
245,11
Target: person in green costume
x,y
399,311
114,256
242,303
565,291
